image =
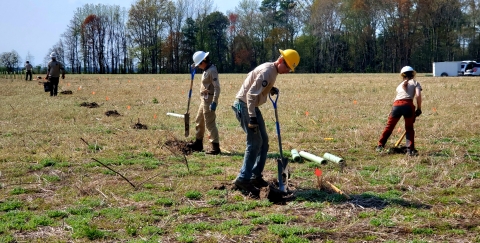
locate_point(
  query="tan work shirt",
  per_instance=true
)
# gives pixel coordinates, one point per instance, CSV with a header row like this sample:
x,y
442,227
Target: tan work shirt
x,y
410,93
256,87
54,68
210,84
28,67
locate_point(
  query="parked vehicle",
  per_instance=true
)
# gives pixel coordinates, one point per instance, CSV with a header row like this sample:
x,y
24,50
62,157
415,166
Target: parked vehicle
x,y
472,69
452,69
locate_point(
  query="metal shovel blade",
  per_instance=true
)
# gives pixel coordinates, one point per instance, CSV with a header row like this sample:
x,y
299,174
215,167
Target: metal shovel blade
x,y
187,124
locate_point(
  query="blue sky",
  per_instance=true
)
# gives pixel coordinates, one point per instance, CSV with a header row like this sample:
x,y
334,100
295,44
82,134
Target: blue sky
x,y
34,26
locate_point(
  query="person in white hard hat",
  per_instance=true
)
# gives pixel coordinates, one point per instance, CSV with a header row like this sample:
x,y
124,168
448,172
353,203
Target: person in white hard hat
x,y
408,90
209,93
53,73
253,93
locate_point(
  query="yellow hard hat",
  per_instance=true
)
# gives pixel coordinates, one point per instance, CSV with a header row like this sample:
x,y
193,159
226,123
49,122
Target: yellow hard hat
x,y
291,57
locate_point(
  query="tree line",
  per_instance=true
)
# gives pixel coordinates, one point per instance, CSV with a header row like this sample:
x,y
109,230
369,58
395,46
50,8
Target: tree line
x,y
331,36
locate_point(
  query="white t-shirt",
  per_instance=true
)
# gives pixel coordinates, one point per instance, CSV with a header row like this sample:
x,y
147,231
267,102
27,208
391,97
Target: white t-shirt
x,y
410,93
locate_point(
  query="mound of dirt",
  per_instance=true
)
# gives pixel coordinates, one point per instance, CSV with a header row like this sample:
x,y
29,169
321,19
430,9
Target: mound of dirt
x,y
66,92
139,126
180,146
89,105
112,113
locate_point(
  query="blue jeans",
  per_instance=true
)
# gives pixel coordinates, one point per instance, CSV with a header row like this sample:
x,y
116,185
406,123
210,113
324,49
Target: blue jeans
x,y
257,143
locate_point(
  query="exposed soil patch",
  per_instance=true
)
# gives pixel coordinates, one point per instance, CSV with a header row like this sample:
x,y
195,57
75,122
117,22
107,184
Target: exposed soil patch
x,y
112,113
139,125
89,105
180,146
397,150
66,92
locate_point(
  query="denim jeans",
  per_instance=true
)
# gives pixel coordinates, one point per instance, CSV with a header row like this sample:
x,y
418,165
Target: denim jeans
x,y
257,143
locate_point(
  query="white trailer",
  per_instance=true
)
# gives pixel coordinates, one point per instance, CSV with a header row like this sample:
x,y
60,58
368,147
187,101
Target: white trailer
x,y
445,69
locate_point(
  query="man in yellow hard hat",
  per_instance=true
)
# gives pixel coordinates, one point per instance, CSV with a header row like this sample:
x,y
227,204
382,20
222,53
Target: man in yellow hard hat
x,y
253,93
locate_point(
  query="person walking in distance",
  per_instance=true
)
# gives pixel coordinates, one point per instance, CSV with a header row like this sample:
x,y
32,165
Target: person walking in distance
x,y
28,69
403,105
53,73
209,93
253,93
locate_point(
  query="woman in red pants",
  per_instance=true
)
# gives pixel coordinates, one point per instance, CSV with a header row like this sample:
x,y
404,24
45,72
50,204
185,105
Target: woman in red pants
x,y
403,106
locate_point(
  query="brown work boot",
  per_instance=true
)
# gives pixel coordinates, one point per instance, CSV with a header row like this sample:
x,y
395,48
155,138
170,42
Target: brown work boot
x,y
215,149
196,146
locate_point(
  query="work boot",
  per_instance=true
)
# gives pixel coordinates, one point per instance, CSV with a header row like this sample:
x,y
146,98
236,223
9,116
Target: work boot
x,y
247,186
379,148
215,149
412,152
259,182
196,146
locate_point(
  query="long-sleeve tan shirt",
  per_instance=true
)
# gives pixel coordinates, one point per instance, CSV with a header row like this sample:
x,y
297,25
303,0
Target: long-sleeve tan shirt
x,y
256,87
54,69
210,83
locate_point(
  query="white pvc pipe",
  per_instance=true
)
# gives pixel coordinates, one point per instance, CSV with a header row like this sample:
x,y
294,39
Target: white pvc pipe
x,y
176,115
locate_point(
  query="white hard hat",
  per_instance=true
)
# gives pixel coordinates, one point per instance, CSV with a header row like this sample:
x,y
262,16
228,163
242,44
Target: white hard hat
x,y
53,55
406,69
199,56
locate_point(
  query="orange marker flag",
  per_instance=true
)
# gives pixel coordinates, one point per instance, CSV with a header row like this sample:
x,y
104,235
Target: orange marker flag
x,y
129,81
155,116
399,130
434,109
354,102
306,113
318,173
93,92
68,84
79,87
128,107
158,87
106,98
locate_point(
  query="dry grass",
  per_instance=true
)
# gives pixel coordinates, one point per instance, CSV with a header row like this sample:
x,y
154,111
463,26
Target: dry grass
x,y
47,145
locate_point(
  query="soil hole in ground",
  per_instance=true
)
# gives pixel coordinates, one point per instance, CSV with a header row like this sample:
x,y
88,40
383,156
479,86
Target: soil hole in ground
x,y
112,113
66,92
139,125
89,105
180,146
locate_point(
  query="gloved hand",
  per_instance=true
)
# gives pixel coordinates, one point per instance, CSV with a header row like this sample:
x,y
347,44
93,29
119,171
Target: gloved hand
x,y
63,76
253,123
274,91
46,78
418,112
213,106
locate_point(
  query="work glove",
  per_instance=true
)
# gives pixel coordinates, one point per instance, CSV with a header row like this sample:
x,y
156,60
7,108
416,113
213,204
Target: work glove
x,y
63,76
418,112
213,106
253,123
46,78
274,91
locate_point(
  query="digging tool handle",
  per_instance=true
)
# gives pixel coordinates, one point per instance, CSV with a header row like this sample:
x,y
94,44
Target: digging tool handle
x,y
281,163
400,139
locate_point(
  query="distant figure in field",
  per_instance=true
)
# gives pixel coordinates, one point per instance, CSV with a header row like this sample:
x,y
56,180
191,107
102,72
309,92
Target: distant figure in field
x,y
209,93
28,68
53,73
408,90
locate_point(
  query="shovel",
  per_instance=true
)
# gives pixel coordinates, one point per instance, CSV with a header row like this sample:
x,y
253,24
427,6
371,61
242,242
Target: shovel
x,y
186,116
281,162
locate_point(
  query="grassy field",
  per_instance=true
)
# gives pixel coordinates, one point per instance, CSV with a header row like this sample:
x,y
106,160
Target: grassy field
x,y
53,189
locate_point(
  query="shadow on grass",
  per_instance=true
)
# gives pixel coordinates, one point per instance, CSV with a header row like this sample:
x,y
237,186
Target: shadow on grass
x,y
365,200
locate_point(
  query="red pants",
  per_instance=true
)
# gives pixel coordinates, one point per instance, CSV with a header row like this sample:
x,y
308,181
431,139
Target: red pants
x,y
400,108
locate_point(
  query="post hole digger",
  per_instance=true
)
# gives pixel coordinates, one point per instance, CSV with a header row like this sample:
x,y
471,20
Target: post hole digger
x,y
186,116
